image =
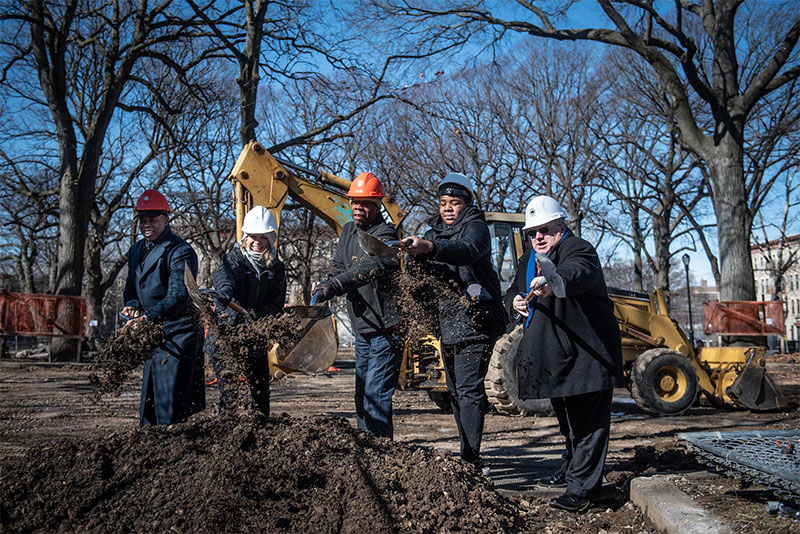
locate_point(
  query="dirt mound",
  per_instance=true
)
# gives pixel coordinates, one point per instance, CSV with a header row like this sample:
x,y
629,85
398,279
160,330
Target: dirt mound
x,y
244,472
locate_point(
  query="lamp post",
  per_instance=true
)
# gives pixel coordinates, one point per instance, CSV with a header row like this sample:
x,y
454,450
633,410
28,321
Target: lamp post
x,y
689,298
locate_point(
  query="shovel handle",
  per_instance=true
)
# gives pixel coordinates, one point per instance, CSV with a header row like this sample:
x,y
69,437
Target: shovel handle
x,y
401,243
538,285
238,309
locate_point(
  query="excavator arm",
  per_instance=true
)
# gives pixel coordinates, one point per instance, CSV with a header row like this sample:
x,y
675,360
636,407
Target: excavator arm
x,y
259,178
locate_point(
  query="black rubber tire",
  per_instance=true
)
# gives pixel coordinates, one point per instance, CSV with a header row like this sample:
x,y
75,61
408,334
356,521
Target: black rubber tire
x,y
441,399
501,380
663,382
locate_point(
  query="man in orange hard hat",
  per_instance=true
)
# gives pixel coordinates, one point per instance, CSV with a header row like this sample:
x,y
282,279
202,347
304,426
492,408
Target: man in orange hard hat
x,y
172,383
371,305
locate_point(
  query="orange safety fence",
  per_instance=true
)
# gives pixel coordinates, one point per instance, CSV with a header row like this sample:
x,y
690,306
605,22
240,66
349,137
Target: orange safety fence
x,y
743,318
27,314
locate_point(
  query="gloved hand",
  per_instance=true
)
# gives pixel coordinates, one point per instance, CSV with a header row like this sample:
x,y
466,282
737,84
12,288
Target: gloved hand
x,y
327,289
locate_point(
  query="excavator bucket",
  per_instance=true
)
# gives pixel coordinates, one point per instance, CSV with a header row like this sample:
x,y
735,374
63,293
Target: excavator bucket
x,y
754,388
316,350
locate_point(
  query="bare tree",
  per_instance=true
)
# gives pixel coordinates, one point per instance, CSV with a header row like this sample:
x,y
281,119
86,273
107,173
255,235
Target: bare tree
x,y
654,180
28,202
85,56
695,49
781,255
551,111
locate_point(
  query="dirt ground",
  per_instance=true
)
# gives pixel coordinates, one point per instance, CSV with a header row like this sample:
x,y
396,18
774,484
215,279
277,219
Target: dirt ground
x,y
417,484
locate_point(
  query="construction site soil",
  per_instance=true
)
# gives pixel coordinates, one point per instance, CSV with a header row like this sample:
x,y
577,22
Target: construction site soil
x,y
71,464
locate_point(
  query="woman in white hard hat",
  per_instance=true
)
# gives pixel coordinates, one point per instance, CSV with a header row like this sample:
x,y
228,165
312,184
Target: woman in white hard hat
x,y
457,250
570,350
252,275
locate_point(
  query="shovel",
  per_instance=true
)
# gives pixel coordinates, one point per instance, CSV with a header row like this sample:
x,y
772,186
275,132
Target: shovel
x,y
316,350
375,247
194,294
548,269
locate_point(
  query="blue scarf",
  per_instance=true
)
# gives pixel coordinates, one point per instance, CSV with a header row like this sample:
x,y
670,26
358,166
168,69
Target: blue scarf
x,y
532,272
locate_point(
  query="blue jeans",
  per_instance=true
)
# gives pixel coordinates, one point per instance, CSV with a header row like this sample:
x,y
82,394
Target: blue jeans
x,y
378,358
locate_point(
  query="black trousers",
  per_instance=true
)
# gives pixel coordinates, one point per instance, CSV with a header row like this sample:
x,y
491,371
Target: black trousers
x,y
584,421
466,365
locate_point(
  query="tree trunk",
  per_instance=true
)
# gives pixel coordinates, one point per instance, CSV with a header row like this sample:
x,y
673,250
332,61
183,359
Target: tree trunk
x,y
74,205
733,221
638,242
249,64
661,240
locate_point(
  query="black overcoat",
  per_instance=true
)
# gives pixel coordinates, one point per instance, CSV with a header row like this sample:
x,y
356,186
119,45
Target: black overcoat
x,y
461,257
156,287
237,279
572,344
367,280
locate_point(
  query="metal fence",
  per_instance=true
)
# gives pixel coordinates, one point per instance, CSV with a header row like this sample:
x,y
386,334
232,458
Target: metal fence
x,y
769,458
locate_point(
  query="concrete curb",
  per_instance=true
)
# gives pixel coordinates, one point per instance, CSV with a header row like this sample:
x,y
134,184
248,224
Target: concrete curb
x,y
670,510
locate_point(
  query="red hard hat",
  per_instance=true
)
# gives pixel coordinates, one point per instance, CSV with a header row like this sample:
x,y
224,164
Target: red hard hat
x,y
152,200
366,185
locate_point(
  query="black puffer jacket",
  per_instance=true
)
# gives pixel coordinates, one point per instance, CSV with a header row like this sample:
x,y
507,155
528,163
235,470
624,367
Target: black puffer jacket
x,y
572,345
237,279
366,280
461,258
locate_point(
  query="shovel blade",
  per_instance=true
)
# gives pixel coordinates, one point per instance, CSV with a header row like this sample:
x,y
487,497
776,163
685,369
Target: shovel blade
x,y
549,272
191,287
374,246
318,344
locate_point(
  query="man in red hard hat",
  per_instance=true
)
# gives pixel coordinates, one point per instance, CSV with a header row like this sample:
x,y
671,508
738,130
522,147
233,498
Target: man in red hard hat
x,y
172,383
371,305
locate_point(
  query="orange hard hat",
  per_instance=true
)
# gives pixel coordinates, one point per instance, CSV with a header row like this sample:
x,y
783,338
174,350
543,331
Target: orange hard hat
x,y
152,200
366,185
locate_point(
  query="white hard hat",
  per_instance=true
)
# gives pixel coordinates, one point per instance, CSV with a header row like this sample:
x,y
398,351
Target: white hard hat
x,y
456,184
541,210
259,220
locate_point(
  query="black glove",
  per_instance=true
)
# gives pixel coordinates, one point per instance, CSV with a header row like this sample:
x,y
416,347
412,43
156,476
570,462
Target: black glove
x,y
221,299
224,299
327,289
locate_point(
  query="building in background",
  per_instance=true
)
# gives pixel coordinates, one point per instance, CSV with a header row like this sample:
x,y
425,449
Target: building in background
x,y
776,268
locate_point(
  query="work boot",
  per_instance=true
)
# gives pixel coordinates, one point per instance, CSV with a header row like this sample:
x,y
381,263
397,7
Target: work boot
x,y
571,503
556,480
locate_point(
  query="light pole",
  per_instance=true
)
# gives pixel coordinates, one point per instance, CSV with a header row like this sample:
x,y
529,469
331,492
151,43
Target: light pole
x,y
689,298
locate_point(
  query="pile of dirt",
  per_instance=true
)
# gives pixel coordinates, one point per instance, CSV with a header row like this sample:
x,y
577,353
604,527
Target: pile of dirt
x,y
245,472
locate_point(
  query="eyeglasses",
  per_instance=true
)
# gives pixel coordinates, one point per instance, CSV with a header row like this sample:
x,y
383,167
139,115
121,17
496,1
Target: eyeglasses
x,y
544,230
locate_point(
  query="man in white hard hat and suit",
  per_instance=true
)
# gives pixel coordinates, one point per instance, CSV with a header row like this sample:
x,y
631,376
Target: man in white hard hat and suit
x,y
570,351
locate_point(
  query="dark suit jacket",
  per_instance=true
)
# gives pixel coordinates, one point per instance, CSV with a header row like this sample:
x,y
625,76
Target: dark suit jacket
x,y
572,344
155,285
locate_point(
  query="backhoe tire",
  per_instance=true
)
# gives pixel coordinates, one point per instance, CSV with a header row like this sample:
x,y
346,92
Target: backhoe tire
x,y
501,380
663,382
441,399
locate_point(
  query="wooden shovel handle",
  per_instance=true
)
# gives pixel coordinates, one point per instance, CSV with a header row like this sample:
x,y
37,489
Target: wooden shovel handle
x,y
538,285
